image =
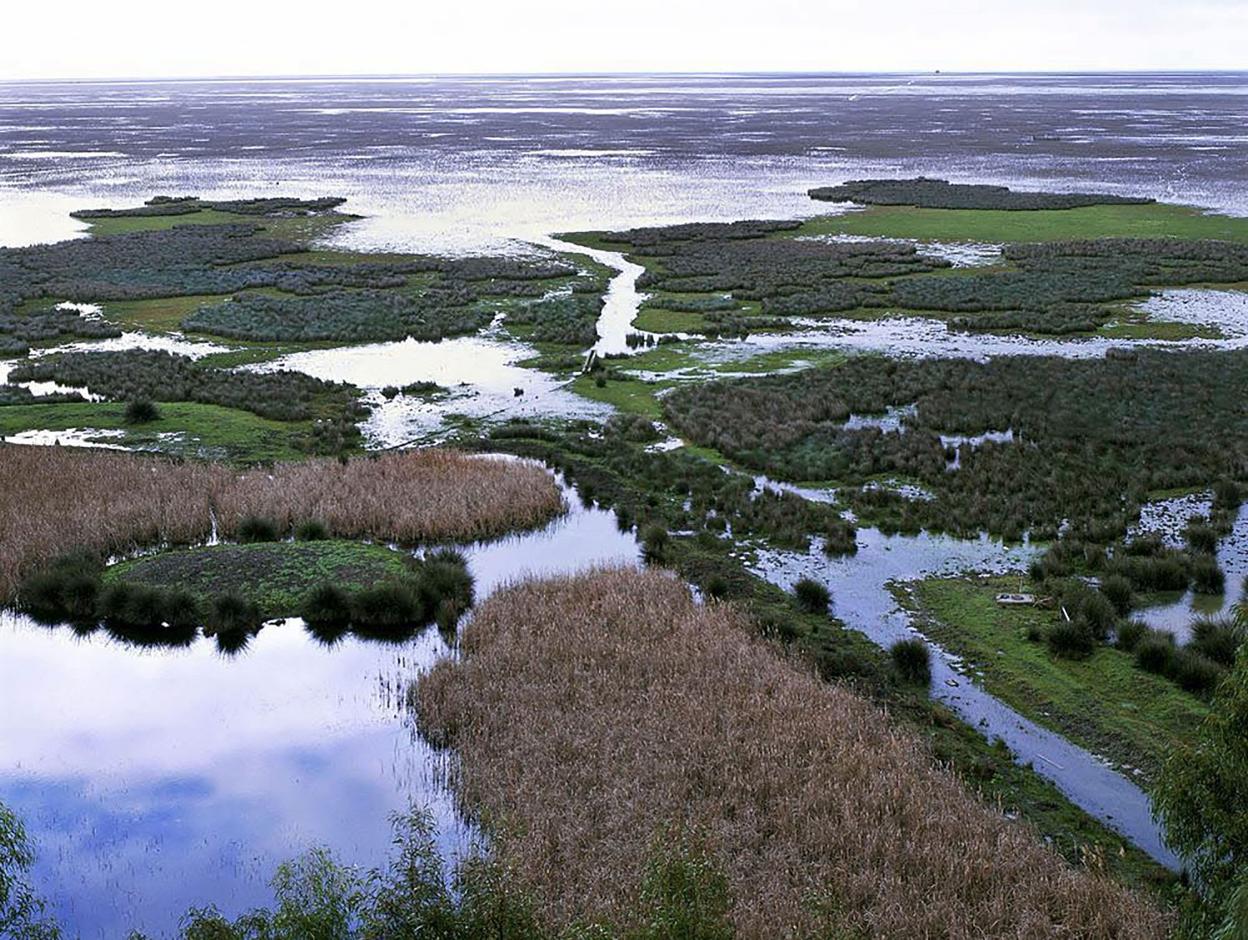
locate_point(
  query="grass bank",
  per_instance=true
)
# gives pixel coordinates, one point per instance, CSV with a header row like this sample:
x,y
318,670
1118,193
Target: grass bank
x,y
1153,220
1104,703
184,429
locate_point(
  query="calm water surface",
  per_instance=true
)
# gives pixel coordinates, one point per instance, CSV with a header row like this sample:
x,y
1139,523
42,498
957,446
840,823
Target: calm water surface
x,y
155,780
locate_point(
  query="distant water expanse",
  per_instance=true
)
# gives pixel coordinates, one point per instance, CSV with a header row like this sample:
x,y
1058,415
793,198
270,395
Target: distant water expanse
x,y
472,163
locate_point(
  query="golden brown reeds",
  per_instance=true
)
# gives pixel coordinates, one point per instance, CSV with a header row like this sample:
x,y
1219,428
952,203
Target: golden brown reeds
x,y
54,500
407,496
591,713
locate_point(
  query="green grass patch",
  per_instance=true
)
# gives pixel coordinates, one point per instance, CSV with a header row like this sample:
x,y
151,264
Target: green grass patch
x,y
1104,703
121,225
1158,220
783,359
631,396
659,320
159,314
1158,329
277,576
185,429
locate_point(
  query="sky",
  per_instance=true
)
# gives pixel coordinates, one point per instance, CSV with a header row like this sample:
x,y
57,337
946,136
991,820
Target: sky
x,y
159,38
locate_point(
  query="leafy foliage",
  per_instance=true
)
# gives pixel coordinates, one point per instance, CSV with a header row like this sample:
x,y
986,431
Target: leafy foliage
x,y
1201,799
22,911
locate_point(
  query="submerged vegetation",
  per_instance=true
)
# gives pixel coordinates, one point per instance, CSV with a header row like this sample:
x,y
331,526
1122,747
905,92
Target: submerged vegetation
x,y
818,814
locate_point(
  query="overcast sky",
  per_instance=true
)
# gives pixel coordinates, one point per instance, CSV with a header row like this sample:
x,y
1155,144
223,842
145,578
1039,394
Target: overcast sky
x,y
155,38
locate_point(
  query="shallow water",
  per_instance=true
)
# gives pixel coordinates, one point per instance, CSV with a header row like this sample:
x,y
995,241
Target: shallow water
x,y
480,373
473,163
152,780
98,438
1225,309
621,302
1177,615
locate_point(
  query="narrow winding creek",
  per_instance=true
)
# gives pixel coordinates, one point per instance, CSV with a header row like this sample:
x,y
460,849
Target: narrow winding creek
x,y
861,598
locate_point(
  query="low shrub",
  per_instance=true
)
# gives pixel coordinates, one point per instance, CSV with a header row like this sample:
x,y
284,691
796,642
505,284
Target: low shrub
x,y
1216,638
141,411
1070,639
257,529
1201,537
446,585
312,530
1089,607
182,609
132,605
326,605
1155,653
912,660
1207,576
391,604
654,540
1117,590
233,613
1129,633
812,596
65,591
716,586
1195,673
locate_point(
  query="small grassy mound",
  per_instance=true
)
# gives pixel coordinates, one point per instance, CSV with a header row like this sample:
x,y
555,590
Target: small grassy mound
x,y
276,576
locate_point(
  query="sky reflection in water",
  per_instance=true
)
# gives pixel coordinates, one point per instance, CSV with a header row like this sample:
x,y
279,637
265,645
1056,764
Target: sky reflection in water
x,y
154,780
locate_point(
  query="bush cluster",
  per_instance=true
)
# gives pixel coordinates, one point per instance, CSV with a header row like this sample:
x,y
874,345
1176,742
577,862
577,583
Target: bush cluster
x,y
571,319
342,315
1091,439
437,590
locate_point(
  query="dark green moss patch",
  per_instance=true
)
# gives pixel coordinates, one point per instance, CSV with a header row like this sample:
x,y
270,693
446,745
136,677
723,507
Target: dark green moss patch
x,y
276,576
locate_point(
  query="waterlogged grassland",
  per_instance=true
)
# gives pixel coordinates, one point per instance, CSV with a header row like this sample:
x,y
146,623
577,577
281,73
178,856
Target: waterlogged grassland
x,y
124,225
186,429
1155,220
1104,703
276,576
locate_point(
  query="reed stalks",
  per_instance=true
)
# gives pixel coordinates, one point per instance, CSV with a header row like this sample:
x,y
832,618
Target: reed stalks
x,y
54,501
594,713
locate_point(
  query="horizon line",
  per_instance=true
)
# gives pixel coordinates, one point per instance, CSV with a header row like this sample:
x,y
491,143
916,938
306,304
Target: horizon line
x,y
708,73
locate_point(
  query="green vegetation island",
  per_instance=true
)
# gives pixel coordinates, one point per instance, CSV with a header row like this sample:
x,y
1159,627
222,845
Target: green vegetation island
x,y
721,740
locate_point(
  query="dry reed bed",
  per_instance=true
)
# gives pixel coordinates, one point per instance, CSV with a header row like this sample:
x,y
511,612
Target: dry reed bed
x,y
409,496
55,500
593,712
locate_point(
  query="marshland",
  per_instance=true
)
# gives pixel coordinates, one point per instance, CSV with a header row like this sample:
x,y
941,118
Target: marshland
x,y
633,572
